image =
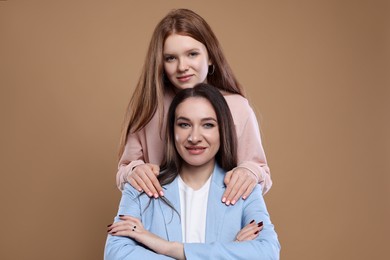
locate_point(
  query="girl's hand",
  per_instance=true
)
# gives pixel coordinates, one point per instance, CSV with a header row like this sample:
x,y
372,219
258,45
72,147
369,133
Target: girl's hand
x,y
143,178
249,232
239,182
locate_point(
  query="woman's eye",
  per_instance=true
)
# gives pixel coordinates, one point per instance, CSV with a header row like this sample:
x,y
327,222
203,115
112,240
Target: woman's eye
x,y
208,125
183,125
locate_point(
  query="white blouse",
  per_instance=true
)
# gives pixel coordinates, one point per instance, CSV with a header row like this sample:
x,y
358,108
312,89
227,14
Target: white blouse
x,y
193,205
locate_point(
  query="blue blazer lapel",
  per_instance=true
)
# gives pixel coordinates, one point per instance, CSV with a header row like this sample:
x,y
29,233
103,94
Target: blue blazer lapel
x,y
171,218
215,208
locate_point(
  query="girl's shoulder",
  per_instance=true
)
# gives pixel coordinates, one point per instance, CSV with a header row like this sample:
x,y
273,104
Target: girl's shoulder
x,y
239,106
235,100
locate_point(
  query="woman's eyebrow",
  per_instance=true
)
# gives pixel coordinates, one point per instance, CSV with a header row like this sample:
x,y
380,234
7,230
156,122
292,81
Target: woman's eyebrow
x,y
203,119
209,118
182,118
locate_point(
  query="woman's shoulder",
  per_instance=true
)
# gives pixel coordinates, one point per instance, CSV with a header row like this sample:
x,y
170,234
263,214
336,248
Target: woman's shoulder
x,y
130,191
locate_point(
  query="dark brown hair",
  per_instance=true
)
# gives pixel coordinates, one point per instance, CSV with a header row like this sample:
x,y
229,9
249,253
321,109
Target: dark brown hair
x,y
226,156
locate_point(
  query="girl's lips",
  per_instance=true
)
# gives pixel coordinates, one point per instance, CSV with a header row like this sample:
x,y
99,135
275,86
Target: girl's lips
x,y
184,78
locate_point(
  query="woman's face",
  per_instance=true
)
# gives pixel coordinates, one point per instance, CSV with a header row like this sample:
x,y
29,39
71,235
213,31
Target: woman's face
x,y
186,61
196,132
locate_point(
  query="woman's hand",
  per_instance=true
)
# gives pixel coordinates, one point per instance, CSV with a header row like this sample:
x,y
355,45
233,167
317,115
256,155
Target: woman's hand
x,y
127,227
143,178
133,228
239,182
249,232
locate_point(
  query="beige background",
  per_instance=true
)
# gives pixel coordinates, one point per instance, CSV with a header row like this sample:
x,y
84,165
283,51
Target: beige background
x,y
316,73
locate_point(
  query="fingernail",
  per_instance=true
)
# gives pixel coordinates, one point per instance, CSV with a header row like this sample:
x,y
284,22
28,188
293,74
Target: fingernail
x,y
260,224
233,202
228,202
243,197
135,227
150,194
257,232
162,193
252,221
223,199
109,225
121,215
155,195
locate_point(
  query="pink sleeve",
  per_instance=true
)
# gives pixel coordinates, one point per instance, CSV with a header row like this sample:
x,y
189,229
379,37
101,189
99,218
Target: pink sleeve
x,y
131,157
251,153
250,150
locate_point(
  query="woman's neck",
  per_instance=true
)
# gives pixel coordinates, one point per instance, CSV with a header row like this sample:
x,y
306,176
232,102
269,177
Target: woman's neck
x,y
196,176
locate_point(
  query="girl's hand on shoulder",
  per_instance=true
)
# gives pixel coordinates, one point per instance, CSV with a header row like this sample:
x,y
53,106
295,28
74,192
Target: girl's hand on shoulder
x,y
144,178
239,182
249,232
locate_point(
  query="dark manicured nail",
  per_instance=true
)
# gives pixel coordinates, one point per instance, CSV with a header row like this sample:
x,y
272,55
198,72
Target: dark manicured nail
x,y
121,215
257,232
260,224
135,226
109,225
252,221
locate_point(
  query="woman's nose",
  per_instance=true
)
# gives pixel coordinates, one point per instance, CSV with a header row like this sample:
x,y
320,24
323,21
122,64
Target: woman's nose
x,y
194,136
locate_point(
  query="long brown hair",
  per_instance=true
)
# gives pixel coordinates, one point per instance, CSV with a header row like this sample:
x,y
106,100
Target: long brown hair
x,y
148,95
226,156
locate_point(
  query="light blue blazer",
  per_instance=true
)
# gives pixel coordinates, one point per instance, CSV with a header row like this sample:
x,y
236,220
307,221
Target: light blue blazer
x,y
222,225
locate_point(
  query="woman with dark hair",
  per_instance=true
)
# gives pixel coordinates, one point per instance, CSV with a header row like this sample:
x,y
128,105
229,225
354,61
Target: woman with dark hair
x,y
189,222
183,52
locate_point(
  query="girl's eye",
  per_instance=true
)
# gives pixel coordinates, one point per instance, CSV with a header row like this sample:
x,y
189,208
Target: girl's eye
x,y
169,58
193,54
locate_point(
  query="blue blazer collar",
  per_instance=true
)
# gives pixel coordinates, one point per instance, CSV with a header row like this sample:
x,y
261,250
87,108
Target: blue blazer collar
x,y
171,218
215,208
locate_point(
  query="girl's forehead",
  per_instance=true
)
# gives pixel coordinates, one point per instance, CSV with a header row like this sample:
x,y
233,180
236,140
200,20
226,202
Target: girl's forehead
x,y
178,42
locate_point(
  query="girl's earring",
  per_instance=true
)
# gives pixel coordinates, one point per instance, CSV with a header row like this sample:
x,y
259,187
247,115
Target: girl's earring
x,y
211,69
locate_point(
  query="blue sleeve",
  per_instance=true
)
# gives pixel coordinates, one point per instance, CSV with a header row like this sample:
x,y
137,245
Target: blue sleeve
x,y
123,248
265,246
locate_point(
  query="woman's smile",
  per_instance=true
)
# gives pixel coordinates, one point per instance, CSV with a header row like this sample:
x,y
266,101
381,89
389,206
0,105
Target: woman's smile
x,y
196,150
196,132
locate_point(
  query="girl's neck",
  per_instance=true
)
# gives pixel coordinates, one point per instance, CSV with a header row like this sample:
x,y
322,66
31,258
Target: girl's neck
x,y
196,176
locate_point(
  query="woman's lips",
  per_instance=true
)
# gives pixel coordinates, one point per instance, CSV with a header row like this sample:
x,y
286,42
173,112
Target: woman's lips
x,y
195,150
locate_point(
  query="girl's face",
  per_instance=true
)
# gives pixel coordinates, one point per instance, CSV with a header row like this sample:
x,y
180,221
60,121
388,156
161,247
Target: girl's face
x,y
196,132
186,61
